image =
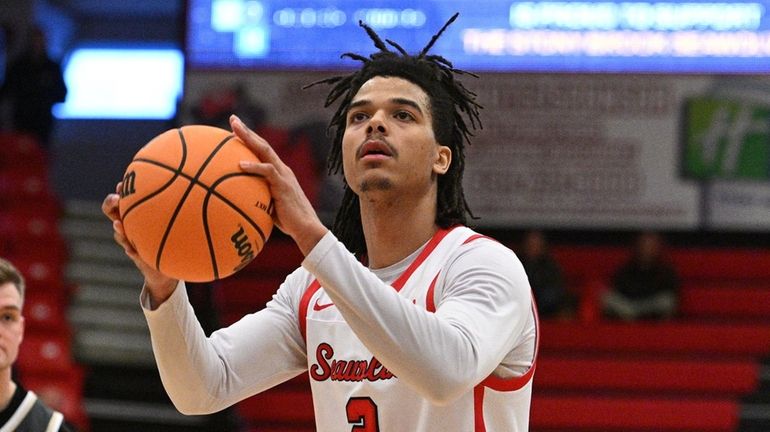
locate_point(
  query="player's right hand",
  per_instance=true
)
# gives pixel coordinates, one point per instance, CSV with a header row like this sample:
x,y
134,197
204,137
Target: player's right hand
x,y
158,285
294,215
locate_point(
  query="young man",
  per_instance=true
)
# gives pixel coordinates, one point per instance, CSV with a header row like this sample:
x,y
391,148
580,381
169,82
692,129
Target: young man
x,y
435,332
20,410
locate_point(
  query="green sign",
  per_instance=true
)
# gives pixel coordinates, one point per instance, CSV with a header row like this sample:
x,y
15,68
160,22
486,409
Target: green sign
x,y
726,139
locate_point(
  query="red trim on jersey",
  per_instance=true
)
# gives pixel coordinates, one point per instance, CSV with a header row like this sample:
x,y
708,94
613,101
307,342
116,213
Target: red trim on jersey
x,y
303,305
503,384
440,234
478,409
430,302
513,384
476,237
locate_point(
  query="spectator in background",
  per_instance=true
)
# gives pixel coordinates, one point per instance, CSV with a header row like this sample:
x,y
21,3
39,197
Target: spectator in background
x,y
20,410
646,287
545,276
33,84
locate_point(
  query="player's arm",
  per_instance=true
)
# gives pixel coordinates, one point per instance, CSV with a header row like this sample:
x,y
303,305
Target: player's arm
x,y
207,374
484,311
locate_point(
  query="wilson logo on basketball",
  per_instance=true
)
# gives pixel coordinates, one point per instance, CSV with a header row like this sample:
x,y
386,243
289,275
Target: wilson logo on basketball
x,y
242,246
129,184
329,368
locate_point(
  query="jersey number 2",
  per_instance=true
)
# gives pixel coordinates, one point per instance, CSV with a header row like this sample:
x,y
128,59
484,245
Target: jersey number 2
x,y
362,414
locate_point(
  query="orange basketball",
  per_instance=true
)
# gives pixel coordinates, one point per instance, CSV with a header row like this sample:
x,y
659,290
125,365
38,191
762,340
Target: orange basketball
x,y
188,208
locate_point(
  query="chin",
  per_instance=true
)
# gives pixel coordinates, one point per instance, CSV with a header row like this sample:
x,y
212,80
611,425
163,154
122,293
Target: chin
x,y
376,184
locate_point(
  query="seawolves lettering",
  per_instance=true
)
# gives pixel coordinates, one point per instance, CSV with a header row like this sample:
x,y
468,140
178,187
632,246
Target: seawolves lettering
x,y
346,370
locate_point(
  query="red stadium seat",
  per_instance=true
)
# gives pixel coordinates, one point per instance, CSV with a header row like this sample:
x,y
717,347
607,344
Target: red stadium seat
x,y
28,224
656,337
45,354
23,185
239,295
697,376
44,312
279,257
49,206
20,151
722,264
583,264
42,273
726,300
598,413
32,229
278,405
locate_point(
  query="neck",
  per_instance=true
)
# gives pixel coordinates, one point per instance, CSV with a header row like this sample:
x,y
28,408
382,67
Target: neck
x,y
7,389
396,226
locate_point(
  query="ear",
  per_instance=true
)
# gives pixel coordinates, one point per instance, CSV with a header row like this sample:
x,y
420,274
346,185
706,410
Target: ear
x,y
443,160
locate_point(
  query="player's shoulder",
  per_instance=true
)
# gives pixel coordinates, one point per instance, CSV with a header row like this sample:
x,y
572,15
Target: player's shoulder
x,y
485,263
471,241
481,249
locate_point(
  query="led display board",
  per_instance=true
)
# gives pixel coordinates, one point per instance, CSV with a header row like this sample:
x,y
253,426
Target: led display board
x,y
692,37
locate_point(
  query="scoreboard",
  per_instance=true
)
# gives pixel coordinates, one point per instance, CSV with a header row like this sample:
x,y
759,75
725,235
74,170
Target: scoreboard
x,y
689,37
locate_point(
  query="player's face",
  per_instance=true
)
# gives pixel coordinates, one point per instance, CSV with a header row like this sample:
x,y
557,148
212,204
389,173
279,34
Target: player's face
x,y
389,142
11,324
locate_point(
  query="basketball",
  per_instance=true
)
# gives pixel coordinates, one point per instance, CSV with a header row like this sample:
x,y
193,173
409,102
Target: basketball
x,y
189,210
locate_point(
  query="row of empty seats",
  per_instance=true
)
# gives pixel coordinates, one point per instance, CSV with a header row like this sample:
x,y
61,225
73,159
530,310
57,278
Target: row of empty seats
x,y
690,373
30,239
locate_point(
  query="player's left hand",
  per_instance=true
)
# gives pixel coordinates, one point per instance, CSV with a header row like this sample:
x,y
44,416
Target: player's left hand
x,y
294,215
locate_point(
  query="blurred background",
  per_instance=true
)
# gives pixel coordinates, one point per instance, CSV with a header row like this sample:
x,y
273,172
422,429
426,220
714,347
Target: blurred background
x,y
625,157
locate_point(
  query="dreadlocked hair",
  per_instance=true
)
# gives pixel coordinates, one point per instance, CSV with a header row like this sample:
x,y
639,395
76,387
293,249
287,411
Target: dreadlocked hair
x,y
450,104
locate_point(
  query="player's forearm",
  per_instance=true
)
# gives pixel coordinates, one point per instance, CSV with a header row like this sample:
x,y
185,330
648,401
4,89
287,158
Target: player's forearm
x,y
188,367
204,375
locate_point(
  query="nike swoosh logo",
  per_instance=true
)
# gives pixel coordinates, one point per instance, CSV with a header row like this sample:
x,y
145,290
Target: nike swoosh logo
x,y
318,307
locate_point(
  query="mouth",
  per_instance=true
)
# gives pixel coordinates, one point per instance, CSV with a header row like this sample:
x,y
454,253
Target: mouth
x,y
375,149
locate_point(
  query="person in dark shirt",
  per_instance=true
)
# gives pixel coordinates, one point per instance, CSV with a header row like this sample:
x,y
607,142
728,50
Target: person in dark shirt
x,y
33,84
20,409
545,276
646,287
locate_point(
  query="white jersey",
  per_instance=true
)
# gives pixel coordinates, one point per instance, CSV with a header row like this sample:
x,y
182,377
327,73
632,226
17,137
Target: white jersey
x,y
351,387
443,341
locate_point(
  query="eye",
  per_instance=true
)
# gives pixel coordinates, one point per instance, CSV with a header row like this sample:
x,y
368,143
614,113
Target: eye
x,y
404,116
357,117
8,317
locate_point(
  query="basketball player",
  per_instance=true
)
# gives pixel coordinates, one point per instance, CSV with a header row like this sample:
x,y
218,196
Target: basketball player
x,y
405,319
20,410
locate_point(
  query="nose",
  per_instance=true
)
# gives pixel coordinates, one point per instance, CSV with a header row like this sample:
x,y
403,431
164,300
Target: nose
x,y
376,123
